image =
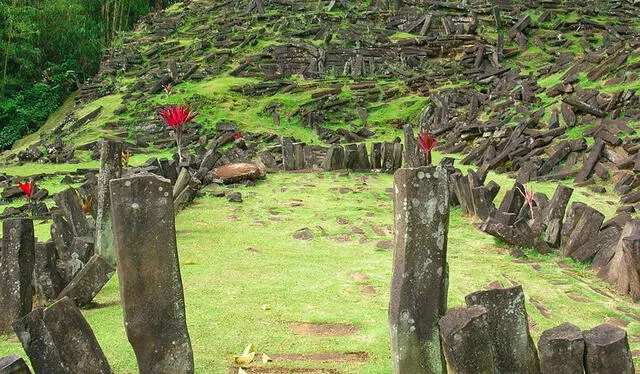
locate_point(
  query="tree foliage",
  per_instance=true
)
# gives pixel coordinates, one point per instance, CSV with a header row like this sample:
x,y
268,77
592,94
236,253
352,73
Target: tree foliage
x,y
48,45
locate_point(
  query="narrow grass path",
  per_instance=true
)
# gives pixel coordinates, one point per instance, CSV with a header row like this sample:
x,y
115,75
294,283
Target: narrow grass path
x,y
247,280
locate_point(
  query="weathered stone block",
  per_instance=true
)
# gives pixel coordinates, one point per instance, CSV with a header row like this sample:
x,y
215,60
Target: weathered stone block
x,y
561,350
48,281
465,333
607,351
149,274
110,168
88,281
13,364
17,260
58,340
508,329
420,273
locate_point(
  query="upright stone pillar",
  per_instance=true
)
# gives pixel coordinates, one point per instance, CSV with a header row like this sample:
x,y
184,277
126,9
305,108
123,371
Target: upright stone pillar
x,y
149,273
70,204
508,329
607,351
553,215
465,333
420,275
110,168
413,153
17,260
561,350
288,161
47,279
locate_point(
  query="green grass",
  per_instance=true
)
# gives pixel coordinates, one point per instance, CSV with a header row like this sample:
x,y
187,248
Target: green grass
x,y
310,281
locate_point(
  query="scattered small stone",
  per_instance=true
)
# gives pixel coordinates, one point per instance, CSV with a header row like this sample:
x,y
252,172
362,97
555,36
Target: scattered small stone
x,y
235,197
218,193
385,244
303,234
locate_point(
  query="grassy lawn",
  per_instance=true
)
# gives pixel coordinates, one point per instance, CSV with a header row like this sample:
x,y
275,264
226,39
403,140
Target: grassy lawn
x,y
247,280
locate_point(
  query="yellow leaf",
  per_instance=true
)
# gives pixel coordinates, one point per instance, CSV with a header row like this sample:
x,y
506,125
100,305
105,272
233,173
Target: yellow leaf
x,y
244,359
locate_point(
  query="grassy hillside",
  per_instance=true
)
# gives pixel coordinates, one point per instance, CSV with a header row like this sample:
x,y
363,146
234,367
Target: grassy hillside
x,y
247,278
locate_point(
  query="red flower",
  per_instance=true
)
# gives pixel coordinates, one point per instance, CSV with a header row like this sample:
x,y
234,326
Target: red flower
x,y
427,142
238,135
528,195
176,117
27,187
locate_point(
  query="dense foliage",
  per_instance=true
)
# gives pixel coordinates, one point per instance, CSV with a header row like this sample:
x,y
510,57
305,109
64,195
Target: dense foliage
x,y
47,47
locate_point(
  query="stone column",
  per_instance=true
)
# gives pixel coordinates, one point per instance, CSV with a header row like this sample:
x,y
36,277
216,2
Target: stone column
x,y
553,215
288,162
465,333
17,260
420,275
70,204
607,351
110,168
58,340
13,364
149,274
508,329
413,153
47,279
561,350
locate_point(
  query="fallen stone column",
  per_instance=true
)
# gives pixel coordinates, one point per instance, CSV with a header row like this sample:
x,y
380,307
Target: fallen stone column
x,y
508,329
13,364
110,168
17,260
420,274
561,350
465,333
89,281
58,340
149,274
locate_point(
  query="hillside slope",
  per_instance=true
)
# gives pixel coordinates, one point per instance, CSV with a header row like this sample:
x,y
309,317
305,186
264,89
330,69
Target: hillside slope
x,y
507,83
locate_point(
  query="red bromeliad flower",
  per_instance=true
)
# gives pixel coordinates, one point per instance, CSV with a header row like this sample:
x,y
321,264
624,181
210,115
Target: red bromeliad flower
x,y
427,143
27,188
528,197
238,135
176,116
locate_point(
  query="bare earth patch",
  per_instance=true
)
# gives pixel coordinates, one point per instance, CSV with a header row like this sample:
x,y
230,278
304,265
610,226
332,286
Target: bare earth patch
x,y
281,370
324,329
541,307
368,289
322,357
616,322
358,276
385,244
576,297
303,235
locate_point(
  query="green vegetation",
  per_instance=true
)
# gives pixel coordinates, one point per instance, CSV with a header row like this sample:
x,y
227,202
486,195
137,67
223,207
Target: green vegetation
x,y
236,296
47,47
